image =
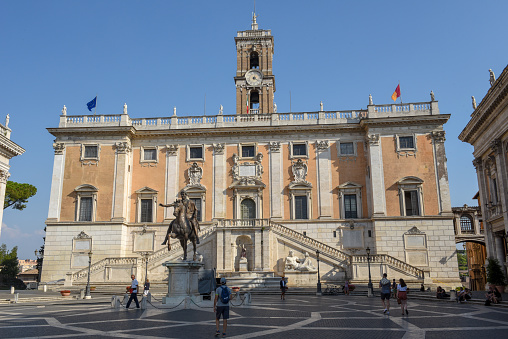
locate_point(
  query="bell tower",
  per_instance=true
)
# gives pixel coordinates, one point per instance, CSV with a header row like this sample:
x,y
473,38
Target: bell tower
x,y
254,80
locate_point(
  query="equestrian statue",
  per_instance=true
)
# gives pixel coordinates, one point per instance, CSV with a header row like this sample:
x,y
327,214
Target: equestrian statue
x,y
185,226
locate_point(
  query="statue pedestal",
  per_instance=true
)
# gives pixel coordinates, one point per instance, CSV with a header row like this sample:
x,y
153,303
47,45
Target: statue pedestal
x,y
301,278
182,283
242,265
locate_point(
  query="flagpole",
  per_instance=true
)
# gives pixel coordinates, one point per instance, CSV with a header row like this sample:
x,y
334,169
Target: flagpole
x,y
400,96
95,104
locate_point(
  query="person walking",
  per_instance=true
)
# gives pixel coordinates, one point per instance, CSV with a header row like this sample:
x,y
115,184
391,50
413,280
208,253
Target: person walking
x,y
221,306
402,295
283,288
134,292
146,288
346,287
385,285
394,289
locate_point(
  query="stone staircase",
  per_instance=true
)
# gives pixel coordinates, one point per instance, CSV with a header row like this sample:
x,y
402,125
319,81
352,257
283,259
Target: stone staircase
x,y
260,280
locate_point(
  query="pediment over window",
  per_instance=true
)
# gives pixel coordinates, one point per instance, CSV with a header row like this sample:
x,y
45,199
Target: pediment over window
x,y
247,183
86,188
196,188
302,185
410,181
349,184
146,190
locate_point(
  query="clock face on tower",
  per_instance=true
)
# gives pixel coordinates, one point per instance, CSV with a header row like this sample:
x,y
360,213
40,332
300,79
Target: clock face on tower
x,y
254,77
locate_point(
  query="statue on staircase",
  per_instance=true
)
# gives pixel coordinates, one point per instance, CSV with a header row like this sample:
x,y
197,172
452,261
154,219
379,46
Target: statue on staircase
x,y
296,264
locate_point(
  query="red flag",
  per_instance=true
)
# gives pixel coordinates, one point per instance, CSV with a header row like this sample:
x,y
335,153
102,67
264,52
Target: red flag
x,y
396,94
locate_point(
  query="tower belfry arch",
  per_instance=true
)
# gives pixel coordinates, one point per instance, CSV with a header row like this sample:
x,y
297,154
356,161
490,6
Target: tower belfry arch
x,y
254,80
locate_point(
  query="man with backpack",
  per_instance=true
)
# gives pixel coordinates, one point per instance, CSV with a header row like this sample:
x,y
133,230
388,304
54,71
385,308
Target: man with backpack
x,y
385,293
221,306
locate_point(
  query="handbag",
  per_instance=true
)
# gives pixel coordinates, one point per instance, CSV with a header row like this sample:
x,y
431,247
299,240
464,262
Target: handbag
x,y
398,301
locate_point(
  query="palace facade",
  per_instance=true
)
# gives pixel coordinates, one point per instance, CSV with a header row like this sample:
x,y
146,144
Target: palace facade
x,y
328,183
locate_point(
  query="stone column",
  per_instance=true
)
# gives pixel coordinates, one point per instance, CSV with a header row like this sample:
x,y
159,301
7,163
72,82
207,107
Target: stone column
x,y
121,179
220,250
219,181
324,179
172,173
4,176
482,187
258,252
55,198
265,236
443,190
377,181
502,177
228,255
276,181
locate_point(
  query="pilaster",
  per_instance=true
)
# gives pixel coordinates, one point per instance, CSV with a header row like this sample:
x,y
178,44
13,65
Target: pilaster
x,y
171,178
219,181
265,236
4,176
499,150
377,181
482,187
258,255
220,250
228,257
442,184
123,150
323,156
55,198
276,181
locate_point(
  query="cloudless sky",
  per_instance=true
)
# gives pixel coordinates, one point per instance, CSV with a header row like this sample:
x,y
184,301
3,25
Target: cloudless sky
x,y
154,55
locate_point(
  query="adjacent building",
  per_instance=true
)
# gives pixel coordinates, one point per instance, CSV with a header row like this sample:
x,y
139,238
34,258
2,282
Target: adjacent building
x,y
328,183
487,131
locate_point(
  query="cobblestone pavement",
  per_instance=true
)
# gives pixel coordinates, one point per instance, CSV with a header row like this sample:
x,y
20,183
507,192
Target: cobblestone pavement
x,y
267,317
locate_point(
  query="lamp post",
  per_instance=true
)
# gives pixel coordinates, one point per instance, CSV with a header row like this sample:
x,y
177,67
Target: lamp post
x,y
318,275
369,286
145,255
87,294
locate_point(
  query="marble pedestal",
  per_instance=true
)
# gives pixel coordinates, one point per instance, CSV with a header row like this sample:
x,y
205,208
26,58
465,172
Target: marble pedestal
x,y
301,278
243,265
182,282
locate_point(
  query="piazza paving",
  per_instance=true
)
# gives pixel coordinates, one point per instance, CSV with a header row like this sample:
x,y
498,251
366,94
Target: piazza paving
x,y
298,316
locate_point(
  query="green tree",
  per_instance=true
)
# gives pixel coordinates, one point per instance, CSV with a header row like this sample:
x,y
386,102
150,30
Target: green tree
x,y
17,195
462,259
9,261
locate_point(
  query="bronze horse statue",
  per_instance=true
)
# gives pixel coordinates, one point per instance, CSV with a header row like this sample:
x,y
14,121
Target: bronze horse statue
x,y
182,229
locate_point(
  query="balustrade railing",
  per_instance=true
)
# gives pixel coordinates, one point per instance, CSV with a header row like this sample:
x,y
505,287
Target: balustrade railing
x,y
101,264
392,261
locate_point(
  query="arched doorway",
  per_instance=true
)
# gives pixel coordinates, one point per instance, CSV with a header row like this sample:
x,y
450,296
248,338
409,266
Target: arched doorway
x,y
472,264
248,209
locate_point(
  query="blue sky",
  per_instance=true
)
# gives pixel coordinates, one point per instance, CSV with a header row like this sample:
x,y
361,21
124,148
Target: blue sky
x,y
154,55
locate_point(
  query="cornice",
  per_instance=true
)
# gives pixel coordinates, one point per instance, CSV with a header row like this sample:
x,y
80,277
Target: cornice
x,y
484,113
406,120
99,130
10,148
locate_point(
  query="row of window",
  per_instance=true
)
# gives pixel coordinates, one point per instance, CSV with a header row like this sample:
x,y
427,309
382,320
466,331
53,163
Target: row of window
x,y
196,152
248,210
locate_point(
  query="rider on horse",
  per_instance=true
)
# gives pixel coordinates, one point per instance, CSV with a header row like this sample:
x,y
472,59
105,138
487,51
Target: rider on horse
x,y
191,214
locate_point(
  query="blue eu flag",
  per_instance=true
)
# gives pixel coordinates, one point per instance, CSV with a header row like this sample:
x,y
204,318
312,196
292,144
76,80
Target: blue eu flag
x,y
91,104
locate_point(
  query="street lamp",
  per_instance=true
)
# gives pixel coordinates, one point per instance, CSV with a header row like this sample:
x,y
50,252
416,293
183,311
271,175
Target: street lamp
x,y
318,275
146,254
369,286
87,294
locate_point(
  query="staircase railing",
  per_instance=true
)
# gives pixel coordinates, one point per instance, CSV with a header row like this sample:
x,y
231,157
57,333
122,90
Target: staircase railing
x,y
323,248
101,264
392,261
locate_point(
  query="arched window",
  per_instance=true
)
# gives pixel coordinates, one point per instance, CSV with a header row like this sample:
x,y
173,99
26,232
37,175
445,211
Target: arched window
x,y
254,100
248,207
466,224
254,60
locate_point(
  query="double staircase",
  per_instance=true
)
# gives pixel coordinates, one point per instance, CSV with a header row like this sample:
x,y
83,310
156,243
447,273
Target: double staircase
x,y
257,280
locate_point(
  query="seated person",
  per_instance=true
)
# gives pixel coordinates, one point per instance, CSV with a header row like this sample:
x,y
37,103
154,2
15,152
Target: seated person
x,y
460,295
468,294
493,295
441,294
